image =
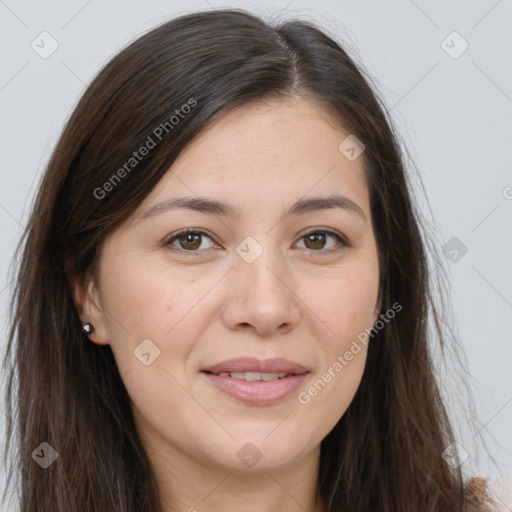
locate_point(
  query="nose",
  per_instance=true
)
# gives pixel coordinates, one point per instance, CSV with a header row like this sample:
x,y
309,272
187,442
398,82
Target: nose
x,y
261,298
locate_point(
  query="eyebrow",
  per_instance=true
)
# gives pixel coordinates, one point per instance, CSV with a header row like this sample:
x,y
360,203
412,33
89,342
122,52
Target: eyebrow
x,y
213,207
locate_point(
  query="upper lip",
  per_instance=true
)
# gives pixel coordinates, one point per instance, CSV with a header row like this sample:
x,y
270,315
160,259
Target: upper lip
x,y
252,364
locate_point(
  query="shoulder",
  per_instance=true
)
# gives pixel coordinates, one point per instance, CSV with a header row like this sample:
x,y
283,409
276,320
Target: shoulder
x,y
481,497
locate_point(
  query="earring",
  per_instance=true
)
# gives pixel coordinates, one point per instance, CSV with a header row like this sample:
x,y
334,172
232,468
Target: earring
x,y
87,329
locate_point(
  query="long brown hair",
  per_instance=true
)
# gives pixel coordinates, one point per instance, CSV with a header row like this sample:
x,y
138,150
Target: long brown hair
x,y
385,452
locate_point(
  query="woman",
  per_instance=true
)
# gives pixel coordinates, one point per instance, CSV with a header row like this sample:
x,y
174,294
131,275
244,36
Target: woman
x,y
223,293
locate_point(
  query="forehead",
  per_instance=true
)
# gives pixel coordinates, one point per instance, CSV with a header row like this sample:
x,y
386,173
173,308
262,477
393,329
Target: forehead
x,y
266,152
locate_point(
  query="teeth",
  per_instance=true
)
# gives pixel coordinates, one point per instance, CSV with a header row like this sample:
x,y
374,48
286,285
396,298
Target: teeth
x,y
250,376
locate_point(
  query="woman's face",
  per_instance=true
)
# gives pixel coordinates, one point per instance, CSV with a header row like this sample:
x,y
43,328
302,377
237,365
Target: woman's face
x,y
261,276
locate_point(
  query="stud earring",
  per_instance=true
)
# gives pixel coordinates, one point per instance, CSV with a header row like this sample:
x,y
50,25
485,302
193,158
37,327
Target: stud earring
x,y
87,329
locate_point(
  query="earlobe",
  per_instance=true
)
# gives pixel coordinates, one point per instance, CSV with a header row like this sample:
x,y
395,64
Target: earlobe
x,y
88,306
93,313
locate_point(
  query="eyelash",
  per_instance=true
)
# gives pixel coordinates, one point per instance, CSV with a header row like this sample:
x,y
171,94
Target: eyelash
x,y
340,238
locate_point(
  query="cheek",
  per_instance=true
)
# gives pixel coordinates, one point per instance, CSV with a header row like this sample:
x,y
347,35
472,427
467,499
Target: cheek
x,y
328,395
139,297
347,307
137,303
154,322
144,302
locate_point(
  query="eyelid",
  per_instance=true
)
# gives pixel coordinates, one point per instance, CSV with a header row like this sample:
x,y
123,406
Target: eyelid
x,y
342,238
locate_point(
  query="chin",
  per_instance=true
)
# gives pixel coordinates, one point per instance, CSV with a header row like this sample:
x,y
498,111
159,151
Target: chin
x,y
260,451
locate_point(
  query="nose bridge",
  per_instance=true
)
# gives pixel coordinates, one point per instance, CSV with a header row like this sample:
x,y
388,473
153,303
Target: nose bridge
x,y
260,268
265,298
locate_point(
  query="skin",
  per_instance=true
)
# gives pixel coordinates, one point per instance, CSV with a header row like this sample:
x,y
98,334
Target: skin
x,y
302,299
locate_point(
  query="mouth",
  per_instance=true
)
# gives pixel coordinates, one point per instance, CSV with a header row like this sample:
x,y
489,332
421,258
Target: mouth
x,y
256,382
252,366
253,376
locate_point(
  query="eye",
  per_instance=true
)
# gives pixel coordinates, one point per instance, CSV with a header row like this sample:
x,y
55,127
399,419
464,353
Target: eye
x,y
188,240
316,240
191,240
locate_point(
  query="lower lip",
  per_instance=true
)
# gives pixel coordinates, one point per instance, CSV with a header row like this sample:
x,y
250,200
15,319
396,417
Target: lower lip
x,y
257,392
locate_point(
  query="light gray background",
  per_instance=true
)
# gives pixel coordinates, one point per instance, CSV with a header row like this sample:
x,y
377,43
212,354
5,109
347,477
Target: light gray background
x,y
454,115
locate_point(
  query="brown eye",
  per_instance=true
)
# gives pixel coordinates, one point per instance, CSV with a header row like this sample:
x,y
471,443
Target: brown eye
x,y
316,241
189,241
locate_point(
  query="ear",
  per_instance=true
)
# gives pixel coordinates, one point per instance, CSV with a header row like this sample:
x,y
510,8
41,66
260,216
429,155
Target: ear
x,y
86,298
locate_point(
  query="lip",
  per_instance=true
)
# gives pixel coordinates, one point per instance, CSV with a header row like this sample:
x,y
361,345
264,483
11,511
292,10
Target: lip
x,y
252,364
257,392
